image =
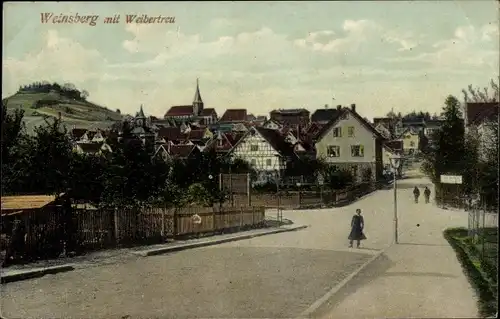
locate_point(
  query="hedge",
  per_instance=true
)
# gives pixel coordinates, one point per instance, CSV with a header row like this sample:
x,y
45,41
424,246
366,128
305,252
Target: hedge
x,y
487,303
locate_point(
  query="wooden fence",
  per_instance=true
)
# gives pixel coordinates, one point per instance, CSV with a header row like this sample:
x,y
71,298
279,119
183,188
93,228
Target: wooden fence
x,y
46,235
303,199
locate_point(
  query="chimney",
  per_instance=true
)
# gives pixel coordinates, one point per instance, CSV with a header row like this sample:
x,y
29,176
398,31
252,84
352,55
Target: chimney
x,y
339,107
353,107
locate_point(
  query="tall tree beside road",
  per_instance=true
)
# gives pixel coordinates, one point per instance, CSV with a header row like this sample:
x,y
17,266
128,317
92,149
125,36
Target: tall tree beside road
x,y
446,157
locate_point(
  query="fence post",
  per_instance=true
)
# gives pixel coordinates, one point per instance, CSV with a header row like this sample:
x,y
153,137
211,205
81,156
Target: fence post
x,y
253,216
163,211
117,225
241,217
175,222
249,190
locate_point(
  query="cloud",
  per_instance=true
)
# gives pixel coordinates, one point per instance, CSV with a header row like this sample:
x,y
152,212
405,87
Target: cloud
x,y
57,58
463,50
354,34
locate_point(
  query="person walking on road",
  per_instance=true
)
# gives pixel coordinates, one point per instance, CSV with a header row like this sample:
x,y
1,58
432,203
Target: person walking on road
x,y
357,225
416,193
427,194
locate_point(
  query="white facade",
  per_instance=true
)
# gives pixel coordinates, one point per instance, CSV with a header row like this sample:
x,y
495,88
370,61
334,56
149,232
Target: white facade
x,y
345,134
257,151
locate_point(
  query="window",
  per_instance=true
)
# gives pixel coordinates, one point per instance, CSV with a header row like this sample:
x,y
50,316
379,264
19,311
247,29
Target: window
x,y
253,162
254,148
357,151
350,131
337,132
412,144
333,151
269,162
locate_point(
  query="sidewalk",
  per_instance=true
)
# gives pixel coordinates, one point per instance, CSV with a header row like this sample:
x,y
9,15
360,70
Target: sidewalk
x,y
106,257
418,278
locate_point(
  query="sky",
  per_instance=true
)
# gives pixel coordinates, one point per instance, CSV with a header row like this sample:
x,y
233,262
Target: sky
x,y
258,55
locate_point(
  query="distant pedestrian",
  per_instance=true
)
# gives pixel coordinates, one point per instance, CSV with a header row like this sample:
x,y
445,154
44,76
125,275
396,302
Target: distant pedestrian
x,y
416,193
357,225
427,194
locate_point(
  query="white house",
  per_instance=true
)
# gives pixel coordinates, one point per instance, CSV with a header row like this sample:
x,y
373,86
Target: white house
x,y
349,142
265,149
271,124
411,141
100,148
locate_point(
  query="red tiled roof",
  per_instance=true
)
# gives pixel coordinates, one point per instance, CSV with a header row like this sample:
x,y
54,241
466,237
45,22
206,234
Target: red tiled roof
x,y
181,151
180,110
478,112
171,133
234,115
209,112
195,135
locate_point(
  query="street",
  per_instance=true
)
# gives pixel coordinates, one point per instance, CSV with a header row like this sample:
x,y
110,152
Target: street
x,y
274,276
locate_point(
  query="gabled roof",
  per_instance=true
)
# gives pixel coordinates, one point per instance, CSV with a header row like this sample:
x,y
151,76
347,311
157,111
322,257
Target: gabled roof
x,y
290,112
171,133
234,115
180,110
141,113
209,112
195,135
276,140
480,112
335,120
181,151
77,133
272,121
324,115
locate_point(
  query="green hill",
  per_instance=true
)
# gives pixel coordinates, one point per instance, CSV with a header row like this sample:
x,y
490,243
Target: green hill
x,y
74,112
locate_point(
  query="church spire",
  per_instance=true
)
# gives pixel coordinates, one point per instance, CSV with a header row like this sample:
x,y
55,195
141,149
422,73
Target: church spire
x,y
141,113
197,96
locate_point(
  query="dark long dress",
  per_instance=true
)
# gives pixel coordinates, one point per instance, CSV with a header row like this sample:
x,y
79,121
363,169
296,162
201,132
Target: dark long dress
x,y
357,225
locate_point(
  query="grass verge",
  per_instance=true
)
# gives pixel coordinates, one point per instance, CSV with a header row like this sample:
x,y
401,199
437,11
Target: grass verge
x,y
475,270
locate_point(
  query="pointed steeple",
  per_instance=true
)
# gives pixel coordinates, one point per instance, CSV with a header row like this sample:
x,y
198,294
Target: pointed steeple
x,y
141,113
197,102
197,96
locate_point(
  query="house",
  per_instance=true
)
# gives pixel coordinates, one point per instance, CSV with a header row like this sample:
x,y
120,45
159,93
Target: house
x,y
76,134
96,148
265,149
389,150
273,125
234,116
170,151
291,116
431,126
482,120
87,137
350,142
411,141
172,134
142,131
222,142
190,112
98,137
323,116
208,116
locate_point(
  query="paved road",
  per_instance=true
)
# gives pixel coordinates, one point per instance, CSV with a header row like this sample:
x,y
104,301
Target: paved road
x,y
275,276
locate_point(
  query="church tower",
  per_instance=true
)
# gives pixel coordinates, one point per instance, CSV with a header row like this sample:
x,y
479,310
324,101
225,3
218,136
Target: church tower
x,y
140,118
197,102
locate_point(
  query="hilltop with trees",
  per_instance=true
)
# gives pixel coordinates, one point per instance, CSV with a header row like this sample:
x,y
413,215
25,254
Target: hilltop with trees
x,y
43,99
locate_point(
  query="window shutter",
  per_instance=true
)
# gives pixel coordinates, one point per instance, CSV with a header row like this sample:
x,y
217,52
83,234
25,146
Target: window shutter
x,y
361,150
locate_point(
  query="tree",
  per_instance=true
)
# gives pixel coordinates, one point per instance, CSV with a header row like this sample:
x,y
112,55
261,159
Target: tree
x,y
84,94
472,94
447,154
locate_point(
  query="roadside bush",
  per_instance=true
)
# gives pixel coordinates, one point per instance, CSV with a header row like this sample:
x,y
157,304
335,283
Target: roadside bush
x,y
486,297
338,179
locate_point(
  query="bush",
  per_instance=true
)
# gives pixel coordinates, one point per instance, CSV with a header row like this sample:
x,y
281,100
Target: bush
x,y
486,303
367,174
338,179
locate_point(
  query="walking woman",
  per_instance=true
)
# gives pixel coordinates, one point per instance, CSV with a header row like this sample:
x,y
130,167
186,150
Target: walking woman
x,y
427,194
357,225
